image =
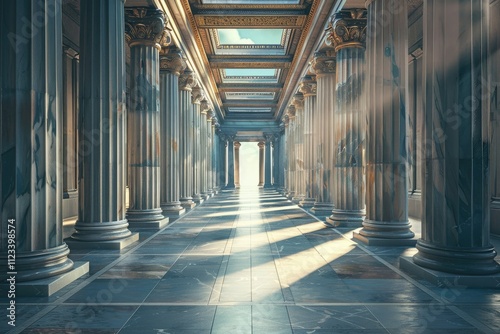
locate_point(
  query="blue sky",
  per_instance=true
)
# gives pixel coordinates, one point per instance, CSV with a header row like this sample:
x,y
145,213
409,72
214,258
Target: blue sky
x,y
250,36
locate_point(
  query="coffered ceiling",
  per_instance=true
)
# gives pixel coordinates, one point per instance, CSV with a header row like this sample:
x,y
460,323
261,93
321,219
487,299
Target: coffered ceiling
x,y
250,54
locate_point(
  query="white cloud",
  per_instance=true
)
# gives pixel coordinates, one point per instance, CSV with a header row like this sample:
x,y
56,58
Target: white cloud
x,y
232,36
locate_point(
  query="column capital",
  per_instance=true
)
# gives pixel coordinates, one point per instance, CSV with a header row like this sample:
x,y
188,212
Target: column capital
x,y
204,106
146,26
237,144
172,60
187,80
292,110
308,86
298,100
324,62
269,137
261,145
197,94
347,29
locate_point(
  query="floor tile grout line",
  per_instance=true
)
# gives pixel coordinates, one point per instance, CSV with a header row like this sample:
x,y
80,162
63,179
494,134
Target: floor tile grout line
x,y
88,280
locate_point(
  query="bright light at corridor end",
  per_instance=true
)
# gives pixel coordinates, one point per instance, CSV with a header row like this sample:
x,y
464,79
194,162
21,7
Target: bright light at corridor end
x,y
249,164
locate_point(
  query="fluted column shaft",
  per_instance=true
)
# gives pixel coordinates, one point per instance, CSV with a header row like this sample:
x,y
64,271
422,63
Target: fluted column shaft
x,y
276,160
230,163
195,144
144,116
267,162
308,88
101,214
325,67
237,146
456,185
31,128
222,159
203,145
172,63
386,148
186,82
349,118
261,145
298,147
291,151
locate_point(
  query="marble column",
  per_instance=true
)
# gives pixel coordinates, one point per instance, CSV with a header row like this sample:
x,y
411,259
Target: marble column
x,y
386,220
187,80
221,158
298,147
172,64
213,150
145,30
325,65
291,112
237,146
456,186
203,145
348,33
268,161
275,145
101,216
30,147
196,97
230,162
262,146
308,89
281,174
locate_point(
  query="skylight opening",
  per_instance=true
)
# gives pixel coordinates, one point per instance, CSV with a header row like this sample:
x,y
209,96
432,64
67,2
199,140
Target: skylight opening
x,y
266,37
250,72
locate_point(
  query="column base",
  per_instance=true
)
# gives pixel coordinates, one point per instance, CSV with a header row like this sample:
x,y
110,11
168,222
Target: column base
x,y
187,203
290,195
379,233
260,184
297,199
48,286
307,202
105,244
468,261
322,210
268,186
102,235
198,199
346,218
444,280
152,218
172,209
230,186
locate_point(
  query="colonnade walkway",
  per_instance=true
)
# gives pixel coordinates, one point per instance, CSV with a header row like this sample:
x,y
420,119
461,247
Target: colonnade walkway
x,y
249,261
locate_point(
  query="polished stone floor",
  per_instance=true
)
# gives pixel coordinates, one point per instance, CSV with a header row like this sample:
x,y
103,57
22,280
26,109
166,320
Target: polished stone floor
x,y
250,261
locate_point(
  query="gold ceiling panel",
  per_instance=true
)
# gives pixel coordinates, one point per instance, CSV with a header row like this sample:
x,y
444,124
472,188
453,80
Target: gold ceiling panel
x,y
292,22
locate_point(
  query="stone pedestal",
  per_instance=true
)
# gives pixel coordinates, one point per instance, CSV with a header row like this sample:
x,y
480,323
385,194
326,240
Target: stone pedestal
x,y
237,146
324,65
308,88
386,150
172,64
145,29
348,34
261,145
456,186
101,216
186,82
30,148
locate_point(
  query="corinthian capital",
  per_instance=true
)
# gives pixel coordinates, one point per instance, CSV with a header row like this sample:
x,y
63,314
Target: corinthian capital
x,y
291,111
172,60
146,26
187,80
324,63
204,106
197,94
298,100
308,86
347,29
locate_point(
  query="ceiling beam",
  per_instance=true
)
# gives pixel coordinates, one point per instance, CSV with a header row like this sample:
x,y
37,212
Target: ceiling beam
x,y
247,62
241,87
249,104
